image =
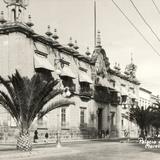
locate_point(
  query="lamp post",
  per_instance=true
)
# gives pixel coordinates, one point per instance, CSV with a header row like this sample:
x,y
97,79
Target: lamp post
x,y
58,142
66,93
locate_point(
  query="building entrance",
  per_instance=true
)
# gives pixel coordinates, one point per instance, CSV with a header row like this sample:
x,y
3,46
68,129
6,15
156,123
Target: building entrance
x,y
99,119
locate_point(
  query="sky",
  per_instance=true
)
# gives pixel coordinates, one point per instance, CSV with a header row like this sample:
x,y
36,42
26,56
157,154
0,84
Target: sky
x,y
75,18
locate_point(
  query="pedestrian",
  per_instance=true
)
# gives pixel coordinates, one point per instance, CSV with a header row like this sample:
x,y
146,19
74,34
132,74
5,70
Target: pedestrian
x,y
107,133
35,138
46,137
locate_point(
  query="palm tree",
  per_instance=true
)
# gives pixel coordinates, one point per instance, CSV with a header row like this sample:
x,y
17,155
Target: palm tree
x,y
156,118
25,99
142,117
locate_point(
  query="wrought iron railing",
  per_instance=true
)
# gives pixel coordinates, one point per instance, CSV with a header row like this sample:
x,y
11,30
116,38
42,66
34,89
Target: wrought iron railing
x,y
86,92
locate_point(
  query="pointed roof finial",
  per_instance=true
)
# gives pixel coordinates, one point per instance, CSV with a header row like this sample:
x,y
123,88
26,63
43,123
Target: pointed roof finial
x,y
29,23
49,33
98,39
70,44
2,20
23,3
88,52
55,36
75,45
118,67
115,65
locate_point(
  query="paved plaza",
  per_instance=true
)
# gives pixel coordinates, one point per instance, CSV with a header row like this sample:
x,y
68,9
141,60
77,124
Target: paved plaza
x,y
84,151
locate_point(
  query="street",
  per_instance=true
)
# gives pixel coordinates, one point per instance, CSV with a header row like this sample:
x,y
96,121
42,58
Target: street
x,y
89,151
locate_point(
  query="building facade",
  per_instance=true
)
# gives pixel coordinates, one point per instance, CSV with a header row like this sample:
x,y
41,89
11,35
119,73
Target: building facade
x,y
102,95
146,98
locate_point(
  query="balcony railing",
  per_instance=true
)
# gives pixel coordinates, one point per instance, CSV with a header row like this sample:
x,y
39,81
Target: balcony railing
x,y
86,92
102,94
83,125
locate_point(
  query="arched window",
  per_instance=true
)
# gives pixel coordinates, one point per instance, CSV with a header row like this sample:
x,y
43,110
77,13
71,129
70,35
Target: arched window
x,y
13,18
19,14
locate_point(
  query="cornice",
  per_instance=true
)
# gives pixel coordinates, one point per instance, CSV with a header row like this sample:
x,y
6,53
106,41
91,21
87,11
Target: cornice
x,y
123,76
23,28
29,32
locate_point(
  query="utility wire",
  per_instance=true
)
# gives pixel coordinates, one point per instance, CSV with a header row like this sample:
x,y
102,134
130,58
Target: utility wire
x,y
140,33
158,10
144,20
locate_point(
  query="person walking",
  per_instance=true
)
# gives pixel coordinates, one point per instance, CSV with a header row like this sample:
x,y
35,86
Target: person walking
x,y
46,137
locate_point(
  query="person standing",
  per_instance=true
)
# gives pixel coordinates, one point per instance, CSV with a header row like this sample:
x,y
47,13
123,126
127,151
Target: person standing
x,y
35,136
46,137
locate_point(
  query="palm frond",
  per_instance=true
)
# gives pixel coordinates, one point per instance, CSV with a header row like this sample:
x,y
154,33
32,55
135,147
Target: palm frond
x,y
21,92
45,93
143,117
54,105
10,90
7,104
25,97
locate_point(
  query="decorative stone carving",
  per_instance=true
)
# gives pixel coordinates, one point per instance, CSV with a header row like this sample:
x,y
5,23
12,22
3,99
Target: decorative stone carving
x,y
101,62
24,3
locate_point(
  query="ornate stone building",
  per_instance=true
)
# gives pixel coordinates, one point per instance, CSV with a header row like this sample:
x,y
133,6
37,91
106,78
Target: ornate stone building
x,y
102,95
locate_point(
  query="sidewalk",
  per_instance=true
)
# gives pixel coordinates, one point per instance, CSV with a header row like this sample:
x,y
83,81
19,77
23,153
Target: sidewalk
x,y
37,152
11,146
74,141
8,151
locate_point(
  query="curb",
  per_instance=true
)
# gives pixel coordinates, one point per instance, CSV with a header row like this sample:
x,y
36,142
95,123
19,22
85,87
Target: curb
x,y
73,141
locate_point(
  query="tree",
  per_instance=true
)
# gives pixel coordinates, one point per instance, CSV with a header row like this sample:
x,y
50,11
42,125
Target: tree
x,y
142,117
25,99
156,118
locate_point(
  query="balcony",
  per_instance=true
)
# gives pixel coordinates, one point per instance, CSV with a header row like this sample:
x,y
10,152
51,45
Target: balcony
x,y
72,88
133,102
83,126
115,98
68,82
124,99
102,94
86,93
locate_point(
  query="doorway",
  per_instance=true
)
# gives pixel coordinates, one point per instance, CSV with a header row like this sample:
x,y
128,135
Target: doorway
x,y
99,119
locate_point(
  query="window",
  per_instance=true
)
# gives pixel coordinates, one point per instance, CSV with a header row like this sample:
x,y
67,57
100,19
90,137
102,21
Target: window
x,y
82,116
122,122
85,89
123,85
113,83
84,86
132,90
44,74
63,117
68,82
112,118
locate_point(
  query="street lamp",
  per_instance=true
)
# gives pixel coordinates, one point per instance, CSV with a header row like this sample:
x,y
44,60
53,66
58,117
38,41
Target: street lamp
x,y
58,142
66,93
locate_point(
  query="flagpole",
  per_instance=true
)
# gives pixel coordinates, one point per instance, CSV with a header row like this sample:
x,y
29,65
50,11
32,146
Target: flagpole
x,y
95,24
